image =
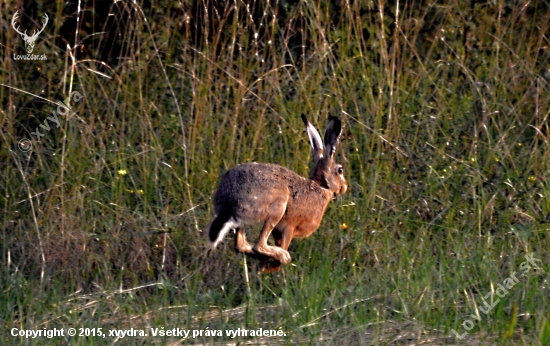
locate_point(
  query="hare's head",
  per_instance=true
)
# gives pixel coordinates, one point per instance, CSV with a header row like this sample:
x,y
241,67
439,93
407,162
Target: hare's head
x,y
325,171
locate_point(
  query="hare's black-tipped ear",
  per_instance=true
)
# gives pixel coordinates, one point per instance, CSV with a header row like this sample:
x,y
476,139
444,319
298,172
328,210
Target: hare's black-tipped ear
x,y
314,139
332,134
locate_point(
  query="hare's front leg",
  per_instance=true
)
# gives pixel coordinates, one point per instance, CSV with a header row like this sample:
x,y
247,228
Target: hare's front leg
x,y
277,210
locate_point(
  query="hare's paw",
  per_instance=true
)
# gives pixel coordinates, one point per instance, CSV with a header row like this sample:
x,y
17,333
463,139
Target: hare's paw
x,y
283,256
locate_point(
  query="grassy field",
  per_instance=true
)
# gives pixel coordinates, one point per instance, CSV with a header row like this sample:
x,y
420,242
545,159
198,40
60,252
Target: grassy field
x,y
443,237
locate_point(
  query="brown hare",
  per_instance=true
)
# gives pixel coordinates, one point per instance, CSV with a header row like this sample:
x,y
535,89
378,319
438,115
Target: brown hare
x,y
288,205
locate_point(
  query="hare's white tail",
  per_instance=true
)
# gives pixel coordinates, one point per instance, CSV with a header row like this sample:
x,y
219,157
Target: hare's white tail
x,y
219,227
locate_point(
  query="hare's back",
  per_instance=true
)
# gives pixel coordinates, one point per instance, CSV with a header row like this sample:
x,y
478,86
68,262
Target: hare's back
x,y
253,184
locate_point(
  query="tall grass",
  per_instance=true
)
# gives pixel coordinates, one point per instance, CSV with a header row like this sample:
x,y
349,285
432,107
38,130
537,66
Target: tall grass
x,y
445,145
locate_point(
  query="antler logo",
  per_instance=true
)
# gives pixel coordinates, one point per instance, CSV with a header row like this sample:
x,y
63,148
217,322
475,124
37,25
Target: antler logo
x,y
29,40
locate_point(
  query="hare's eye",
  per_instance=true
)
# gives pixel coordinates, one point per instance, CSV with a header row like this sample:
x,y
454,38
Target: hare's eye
x,y
340,170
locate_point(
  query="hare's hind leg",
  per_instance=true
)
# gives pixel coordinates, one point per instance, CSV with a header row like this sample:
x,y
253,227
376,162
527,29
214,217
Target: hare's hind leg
x,y
271,265
241,243
276,213
282,240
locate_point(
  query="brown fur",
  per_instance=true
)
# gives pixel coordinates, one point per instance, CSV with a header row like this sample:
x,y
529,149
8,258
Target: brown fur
x,y
289,205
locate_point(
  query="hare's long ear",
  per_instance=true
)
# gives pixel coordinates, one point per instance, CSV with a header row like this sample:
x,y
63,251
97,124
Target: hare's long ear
x,y
314,139
332,134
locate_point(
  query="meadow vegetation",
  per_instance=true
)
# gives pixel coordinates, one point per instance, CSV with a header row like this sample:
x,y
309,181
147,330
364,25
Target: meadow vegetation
x,y
445,110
